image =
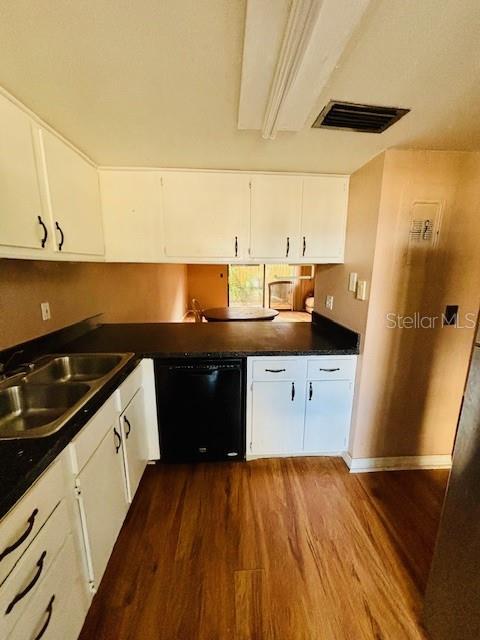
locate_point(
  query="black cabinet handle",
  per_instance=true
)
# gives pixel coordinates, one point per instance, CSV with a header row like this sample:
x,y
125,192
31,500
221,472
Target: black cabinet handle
x,y
117,435
293,391
310,391
49,611
45,231
127,422
330,370
236,246
22,538
275,370
29,587
288,246
62,237
304,246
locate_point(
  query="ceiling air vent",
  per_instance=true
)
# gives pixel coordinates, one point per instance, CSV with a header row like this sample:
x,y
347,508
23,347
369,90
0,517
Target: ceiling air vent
x,y
357,117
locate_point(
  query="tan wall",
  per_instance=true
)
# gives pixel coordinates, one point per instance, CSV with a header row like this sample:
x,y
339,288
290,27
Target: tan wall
x,y
363,207
208,283
123,292
409,393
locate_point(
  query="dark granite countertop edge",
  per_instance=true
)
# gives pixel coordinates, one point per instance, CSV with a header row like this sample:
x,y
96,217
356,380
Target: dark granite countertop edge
x,y
59,440
328,351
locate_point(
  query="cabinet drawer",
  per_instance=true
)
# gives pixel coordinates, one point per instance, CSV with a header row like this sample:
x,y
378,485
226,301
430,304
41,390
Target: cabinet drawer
x,y
21,585
286,369
23,522
56,609
331,369
92,434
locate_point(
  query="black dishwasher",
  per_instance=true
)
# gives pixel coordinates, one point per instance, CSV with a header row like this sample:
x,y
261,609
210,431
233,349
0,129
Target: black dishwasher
x,y
201,414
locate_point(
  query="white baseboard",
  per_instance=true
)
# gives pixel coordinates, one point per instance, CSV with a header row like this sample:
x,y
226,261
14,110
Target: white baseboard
x,y
302,454
401,463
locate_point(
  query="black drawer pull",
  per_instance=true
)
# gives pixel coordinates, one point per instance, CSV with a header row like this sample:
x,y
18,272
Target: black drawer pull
x,y
310,391
236,246
275,370
288,247
304,246
117,435
127,422
45,231
330,370
293,391
23,537
49,611
29,587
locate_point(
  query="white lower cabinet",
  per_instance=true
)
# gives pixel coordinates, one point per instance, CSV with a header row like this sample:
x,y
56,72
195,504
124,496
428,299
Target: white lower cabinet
x,y
108,458
55,612
55,543
277,417
102,501
42,593
299,405
327,415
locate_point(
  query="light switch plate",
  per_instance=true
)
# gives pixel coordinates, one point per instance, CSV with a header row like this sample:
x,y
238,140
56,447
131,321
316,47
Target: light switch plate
x,y
352,281
329,302
45,308
362,286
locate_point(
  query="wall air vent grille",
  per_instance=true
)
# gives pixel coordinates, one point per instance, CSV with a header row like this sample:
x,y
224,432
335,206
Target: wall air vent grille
x,y
357,117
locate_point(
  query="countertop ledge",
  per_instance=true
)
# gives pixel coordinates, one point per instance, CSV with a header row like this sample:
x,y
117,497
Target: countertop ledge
x,y
220,339
23,461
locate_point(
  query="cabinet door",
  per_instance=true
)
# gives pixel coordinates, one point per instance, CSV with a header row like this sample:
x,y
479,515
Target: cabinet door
x,y
134,433
327,417
324,217
205,214
103,503
74,198
277,417
20,204
131,207
275,216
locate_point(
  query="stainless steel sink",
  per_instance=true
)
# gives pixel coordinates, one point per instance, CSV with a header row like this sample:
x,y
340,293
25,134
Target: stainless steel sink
x,y
76,368
42,402
28,410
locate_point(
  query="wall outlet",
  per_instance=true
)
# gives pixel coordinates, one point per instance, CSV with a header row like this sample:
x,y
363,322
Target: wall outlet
x,y
329,302
352,282
362,287
45,307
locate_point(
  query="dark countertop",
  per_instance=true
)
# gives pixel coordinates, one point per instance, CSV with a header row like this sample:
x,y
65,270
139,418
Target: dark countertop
x,y
219,339
22,461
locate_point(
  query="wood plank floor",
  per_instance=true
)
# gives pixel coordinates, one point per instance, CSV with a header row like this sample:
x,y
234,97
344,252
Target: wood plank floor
x,y
282,549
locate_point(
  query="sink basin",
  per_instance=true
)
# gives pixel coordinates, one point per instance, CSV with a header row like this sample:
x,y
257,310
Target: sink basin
x,y
40,403
35,410
76,368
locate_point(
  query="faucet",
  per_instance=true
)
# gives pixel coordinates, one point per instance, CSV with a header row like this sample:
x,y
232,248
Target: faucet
x,y
5,372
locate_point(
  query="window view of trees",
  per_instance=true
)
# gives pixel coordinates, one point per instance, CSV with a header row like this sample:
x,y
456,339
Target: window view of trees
x,y
248,283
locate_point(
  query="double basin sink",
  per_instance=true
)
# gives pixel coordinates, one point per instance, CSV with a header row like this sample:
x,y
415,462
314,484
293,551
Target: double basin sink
x,y
39,403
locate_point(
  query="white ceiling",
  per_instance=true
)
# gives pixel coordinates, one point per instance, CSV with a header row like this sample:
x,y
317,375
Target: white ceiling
x,y
156,82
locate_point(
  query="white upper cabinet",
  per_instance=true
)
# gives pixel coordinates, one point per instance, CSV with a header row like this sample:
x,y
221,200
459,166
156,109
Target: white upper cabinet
x,y
73,197
21,218
131,206
275,216
206,214
324,217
